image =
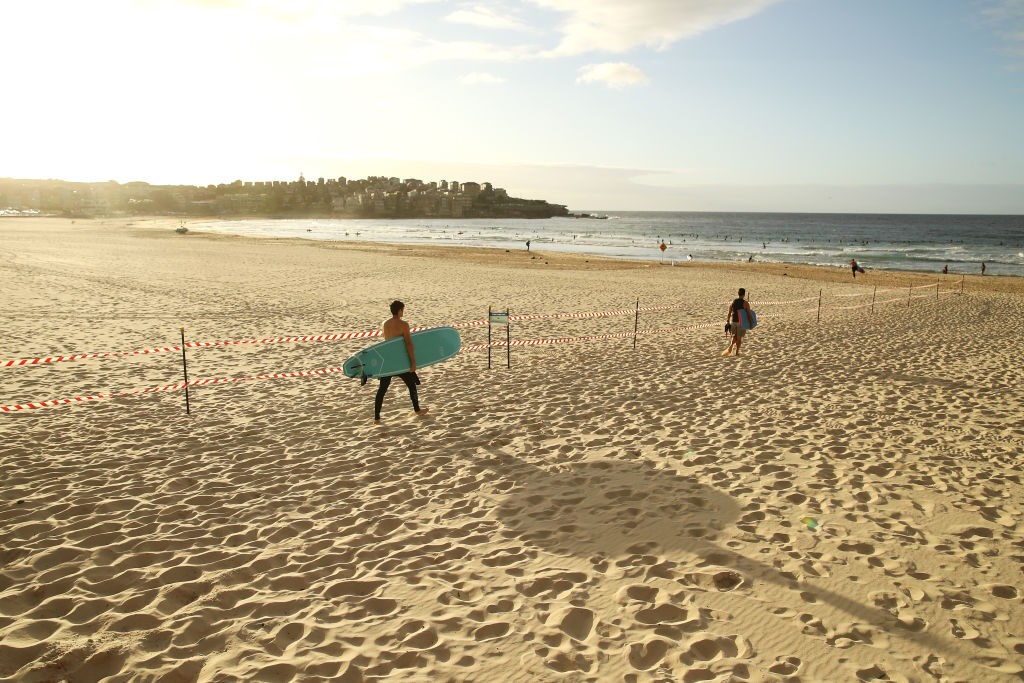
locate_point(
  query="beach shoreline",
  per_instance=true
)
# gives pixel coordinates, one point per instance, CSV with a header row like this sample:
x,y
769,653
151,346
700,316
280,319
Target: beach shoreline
x,y
558,259
841,502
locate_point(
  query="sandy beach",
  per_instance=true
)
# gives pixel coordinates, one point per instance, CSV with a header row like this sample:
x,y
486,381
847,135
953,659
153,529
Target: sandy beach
x,y
841,502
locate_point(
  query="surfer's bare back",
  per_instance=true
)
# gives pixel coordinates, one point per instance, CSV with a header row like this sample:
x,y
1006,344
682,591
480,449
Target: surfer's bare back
x,y
396,327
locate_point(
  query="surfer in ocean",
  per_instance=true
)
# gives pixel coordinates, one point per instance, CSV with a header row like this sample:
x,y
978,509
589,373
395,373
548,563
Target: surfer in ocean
x,y
396,327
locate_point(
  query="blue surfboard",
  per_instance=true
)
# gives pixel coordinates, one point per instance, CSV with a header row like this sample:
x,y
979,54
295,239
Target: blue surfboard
x,y
748,324
390,357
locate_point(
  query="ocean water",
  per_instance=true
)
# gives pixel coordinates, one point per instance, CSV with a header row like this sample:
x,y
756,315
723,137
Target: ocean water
x,y
890,242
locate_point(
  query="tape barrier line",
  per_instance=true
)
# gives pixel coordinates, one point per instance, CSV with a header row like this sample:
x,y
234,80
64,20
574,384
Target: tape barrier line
x,y
600,314
594,337
81,356
901,299
321,337
169,387
376,333
305,338
849,308
201,345
617,335
779,303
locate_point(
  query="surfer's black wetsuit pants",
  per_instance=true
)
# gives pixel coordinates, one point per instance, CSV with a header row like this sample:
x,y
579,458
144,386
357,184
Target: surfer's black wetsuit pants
x,y
410,381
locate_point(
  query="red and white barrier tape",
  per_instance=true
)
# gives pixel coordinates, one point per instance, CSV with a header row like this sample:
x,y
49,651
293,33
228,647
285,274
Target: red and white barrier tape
x,y
199,345
900,299
594,337
305,338
169,387
376,333
57,359
779,303
600,314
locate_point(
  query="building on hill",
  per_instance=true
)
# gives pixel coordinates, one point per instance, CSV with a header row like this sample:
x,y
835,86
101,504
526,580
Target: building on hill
x,y
374,197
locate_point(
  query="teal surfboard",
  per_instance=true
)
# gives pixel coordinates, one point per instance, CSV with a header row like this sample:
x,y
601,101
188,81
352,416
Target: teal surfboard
x,y
391,358
748,324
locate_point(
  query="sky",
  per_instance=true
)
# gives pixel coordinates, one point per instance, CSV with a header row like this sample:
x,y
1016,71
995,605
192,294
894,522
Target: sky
x,y
908,106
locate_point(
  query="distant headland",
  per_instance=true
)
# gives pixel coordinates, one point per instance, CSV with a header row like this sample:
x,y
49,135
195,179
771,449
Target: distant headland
x,y
374,197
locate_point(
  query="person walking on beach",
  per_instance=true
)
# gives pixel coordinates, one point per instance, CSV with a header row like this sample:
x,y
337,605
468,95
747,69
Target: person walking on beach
x,y
527,245
396,327
982,267
853,266
945,269
735,324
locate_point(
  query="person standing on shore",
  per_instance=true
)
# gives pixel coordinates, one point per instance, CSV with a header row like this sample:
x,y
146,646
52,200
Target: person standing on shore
x,y
396,327
853,266
736,325
527,245
982,267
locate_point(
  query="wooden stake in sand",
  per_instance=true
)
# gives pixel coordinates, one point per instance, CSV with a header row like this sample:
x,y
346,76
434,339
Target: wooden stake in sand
x,y
873,292
819,305
184,367
500,318
636,323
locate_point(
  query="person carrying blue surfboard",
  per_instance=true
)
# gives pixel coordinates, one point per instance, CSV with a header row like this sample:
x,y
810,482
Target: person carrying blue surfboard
x,y
735,323
396,327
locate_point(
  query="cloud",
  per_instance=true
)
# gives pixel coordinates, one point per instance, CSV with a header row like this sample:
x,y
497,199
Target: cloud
x,y
486,17
480,78
1008,18
299,8
617,26
612,74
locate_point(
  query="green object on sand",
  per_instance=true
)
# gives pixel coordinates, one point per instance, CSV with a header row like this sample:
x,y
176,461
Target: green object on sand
x,y
810,523
390,357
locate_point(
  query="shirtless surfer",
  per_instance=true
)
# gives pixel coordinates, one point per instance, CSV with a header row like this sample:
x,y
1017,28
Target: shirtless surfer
x,y
396,327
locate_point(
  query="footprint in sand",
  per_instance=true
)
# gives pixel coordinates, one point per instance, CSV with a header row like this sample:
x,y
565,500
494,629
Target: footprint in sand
x,y
575,622
492,631
786,666
647,655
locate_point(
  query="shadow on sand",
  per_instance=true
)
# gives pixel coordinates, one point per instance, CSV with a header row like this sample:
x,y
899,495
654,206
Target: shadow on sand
x,y
639,515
